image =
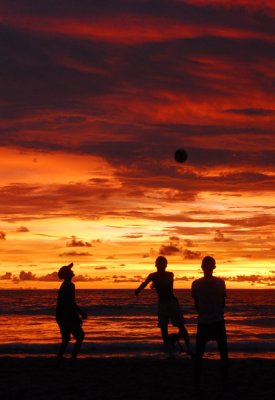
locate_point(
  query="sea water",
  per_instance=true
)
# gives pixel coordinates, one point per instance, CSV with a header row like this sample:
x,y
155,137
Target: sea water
x,y
122,325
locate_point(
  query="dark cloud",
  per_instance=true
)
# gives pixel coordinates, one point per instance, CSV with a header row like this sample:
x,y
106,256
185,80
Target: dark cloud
x,y
168,250
257,112
22,229
174,238
2,235
267,280
6,276
133,236
184,278
75,253
191,255
26,276
86,278
254,278
74,242
124,279
51,277
49,76
219,236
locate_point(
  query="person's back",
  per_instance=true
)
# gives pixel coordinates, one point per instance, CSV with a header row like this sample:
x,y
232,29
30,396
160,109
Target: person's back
x,y
209,293
163,283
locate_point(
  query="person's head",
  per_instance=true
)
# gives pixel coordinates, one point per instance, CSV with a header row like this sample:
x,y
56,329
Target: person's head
x,y
208,265
161,263
66,272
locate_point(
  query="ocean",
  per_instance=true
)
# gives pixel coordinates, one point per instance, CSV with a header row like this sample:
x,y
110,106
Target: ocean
x,y
122,325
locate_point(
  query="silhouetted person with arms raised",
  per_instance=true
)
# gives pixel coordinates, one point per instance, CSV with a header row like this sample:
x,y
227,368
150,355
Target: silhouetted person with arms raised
x,y
209,295
68,315
168,305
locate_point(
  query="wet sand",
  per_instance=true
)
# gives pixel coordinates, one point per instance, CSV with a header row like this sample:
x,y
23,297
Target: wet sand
x,y
40,378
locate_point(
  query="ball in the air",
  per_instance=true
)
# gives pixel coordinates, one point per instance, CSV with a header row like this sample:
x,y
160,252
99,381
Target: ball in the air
x,y
180,155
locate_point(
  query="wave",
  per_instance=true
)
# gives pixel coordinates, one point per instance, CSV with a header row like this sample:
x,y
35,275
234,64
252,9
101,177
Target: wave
x,y
95,310
129,347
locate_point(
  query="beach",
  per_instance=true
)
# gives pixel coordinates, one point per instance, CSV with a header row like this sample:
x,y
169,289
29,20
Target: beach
x,y
122,355
131,378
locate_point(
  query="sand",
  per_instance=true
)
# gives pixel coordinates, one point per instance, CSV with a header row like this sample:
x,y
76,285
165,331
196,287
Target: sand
x,y
132,379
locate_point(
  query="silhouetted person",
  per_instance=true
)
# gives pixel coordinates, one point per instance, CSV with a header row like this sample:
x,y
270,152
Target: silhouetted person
x,y
168,305
209,295
68,315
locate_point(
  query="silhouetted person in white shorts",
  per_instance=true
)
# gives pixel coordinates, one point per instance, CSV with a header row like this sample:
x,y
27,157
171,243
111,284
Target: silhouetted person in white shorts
x,y
209,295
168,305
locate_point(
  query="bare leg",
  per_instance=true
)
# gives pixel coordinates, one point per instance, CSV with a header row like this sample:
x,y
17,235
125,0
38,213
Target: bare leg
x,y
79,336
164,333
65,334
200,348
222,346
62,348
183,333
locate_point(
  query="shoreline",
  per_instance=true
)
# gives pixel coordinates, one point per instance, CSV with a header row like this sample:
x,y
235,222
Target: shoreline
x,y
141,355
134,378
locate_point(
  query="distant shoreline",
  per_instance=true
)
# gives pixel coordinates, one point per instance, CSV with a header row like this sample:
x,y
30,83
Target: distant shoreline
x,y
127,289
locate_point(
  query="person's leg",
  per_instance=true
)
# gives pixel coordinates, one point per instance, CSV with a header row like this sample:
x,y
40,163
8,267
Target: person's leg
x,y
78,334
163,321
65,335
178,321
223,351
164,332
200,348
183,333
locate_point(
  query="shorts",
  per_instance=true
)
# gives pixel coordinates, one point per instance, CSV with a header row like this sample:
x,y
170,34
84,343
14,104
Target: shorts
x,y
213,331
170,311
72,327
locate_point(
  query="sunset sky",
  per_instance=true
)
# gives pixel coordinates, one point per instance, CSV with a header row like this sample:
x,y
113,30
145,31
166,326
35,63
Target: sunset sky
x,y
96,96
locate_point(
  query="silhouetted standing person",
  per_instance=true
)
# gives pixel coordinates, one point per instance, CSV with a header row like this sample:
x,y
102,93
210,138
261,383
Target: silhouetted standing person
x,y
209,295
168,305
68,315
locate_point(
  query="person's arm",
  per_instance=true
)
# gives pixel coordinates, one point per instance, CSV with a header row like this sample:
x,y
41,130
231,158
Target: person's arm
x,y
77,308
193,294
224,294
143,284
196,303
83,314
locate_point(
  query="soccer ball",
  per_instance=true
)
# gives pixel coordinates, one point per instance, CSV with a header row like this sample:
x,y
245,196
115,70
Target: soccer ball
x,y
180,155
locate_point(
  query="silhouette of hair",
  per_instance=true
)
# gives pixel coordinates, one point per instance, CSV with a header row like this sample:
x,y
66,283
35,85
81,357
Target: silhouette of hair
x,y
161,262
208,263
